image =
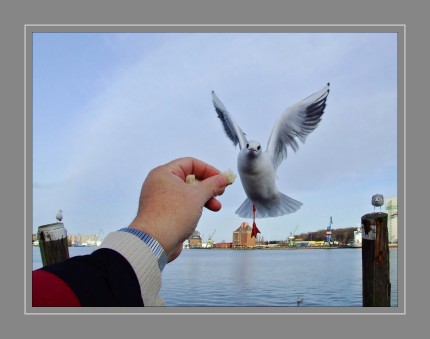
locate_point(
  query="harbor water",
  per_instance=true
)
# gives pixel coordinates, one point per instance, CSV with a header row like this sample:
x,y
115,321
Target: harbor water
x,y
262,278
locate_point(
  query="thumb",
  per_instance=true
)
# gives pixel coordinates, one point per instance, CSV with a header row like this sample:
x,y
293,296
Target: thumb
x,y
213,186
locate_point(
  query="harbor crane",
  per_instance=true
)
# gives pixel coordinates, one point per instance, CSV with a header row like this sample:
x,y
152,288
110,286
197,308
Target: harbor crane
x,y
99,237
329,240
210,241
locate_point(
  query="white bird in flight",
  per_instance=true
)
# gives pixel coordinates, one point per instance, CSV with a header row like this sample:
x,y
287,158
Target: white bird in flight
x,y
59,215
257,169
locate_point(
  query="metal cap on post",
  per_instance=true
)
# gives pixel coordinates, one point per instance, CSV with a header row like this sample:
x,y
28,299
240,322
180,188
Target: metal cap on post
x,y
53,243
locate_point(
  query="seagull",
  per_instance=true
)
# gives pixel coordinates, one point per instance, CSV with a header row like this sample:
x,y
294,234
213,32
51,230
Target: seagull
x,y
59,215
257,168
299,301
377,200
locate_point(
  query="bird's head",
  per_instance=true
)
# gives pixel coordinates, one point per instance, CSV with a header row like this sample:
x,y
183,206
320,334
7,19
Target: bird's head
x,y
253,148
378,200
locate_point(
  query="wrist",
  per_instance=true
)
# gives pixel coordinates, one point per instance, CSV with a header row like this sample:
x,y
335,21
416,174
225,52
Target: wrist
x,y
155,247
145,225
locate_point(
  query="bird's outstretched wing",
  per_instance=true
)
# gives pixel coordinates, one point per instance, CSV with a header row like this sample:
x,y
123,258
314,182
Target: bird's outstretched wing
x,y
232,129
296,122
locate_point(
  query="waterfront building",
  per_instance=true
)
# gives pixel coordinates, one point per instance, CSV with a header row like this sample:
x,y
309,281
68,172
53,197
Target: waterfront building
x,y
358,238
391,210
223,245
242,236
195,240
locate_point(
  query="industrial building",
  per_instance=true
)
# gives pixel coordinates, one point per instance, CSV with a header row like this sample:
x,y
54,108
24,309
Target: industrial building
x,y
195,240
391,210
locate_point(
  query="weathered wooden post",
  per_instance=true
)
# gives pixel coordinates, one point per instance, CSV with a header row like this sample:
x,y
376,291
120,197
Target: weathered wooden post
x,y
375,260
53,243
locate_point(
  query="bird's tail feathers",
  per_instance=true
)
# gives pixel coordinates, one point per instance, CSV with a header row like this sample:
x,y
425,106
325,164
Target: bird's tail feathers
x,y
285,205
245,210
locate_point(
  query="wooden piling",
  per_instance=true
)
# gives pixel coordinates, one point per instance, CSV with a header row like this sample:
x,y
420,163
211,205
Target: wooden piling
x,y
53,243
375,260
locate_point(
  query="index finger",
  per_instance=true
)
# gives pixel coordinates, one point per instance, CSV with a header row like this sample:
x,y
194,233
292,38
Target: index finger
x,y
185,166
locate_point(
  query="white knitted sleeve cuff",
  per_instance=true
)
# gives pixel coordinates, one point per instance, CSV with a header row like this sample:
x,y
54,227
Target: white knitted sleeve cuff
x,y
144,264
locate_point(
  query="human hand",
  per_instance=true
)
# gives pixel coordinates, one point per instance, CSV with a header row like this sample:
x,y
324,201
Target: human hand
x,y
169,208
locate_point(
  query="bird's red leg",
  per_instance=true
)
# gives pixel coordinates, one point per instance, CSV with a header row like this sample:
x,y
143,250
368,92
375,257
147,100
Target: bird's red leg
x,y
255,230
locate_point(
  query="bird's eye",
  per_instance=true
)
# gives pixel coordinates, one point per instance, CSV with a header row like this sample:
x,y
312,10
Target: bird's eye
x,y
247,145
258,147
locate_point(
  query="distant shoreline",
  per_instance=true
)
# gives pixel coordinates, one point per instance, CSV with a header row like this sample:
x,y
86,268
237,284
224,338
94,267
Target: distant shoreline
x,y
269,248
238,248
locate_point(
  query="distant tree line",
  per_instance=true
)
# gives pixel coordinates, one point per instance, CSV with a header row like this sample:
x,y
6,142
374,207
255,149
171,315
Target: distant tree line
x,y
341,235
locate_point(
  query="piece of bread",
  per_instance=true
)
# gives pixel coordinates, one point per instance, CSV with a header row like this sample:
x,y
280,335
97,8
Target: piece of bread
x,y
229,175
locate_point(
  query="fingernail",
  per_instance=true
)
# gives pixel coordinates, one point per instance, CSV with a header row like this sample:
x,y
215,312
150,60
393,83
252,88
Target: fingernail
x,y
221,181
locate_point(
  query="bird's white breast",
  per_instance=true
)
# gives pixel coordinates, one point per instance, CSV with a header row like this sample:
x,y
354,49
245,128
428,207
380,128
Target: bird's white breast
x,y
258,176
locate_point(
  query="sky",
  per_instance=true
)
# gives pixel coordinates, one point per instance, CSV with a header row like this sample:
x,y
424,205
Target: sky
x,y
109,107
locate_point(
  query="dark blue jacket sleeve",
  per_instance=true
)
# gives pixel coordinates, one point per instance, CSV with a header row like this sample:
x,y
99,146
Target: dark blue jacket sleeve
x,y
101,279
